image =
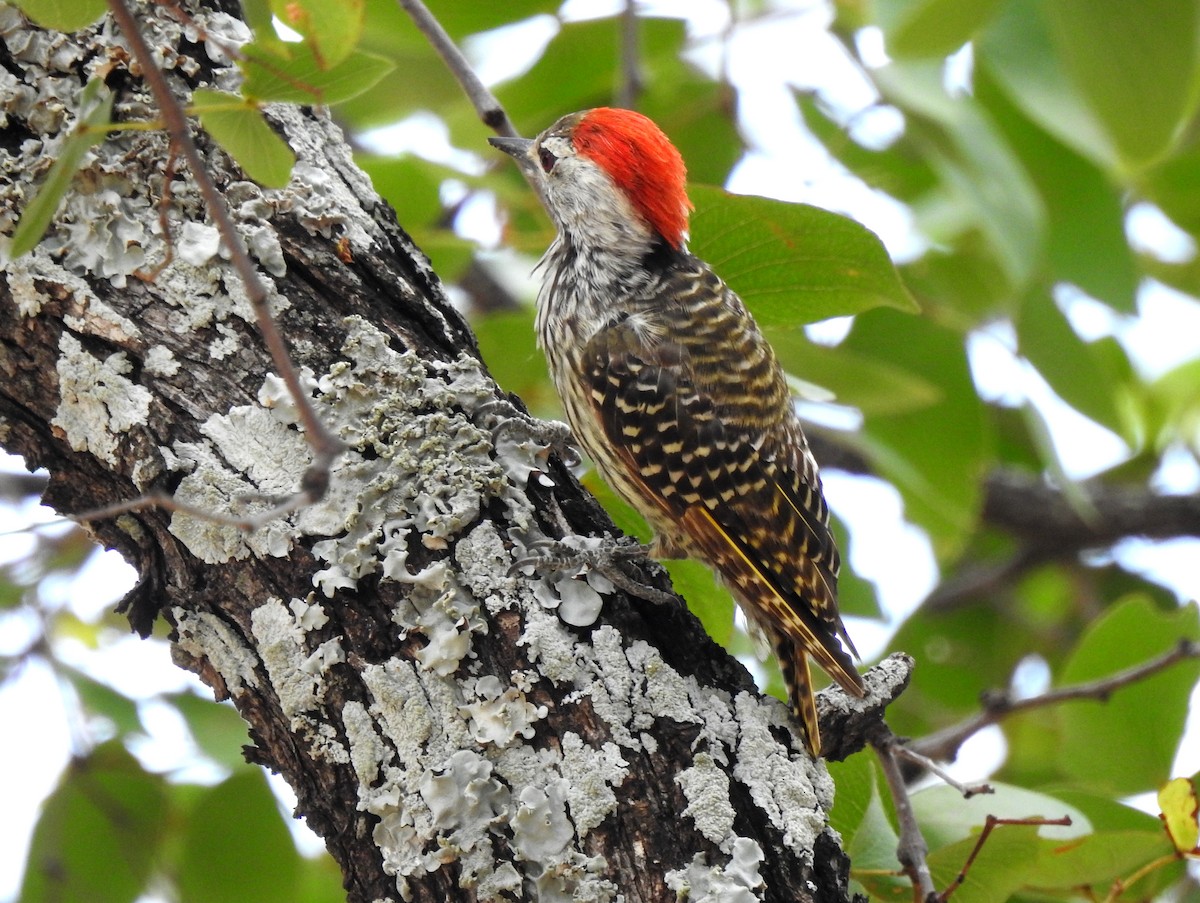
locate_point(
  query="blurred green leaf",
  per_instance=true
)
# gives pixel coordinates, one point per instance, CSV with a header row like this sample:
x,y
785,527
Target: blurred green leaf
x,y
99,832
860,815
216,727
62,15
461,19
1085,240
982,184
1174,186
579,69
239,127
899,169
331,28
791,263
997,872
1175,406
706,597
1046,339
508,347
864,383
1019,49
917,28
100,699
1136,66
935,455
237,824
954,667
95,113
1140,725
946,817
297,77
1097,859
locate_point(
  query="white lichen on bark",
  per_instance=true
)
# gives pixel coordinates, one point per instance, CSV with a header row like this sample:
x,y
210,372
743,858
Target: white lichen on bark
x,y
98,402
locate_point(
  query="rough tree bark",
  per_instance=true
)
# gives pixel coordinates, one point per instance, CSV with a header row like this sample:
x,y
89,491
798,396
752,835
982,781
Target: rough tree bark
x,y
446,729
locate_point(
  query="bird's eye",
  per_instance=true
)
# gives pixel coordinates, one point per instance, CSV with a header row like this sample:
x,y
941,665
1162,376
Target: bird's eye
x,y
547,159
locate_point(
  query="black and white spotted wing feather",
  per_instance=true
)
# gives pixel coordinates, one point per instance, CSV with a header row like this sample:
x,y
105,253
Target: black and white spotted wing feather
x,y
710,451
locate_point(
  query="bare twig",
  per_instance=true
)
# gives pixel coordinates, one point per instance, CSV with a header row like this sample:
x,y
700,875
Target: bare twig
x,y
325,446
911,849
490,111
631,85
928,764
999,705
990,825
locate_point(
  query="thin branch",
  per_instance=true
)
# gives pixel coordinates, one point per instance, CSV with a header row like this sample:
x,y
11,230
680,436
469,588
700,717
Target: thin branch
x,y
632,83
990,825
999,705
928,764
326,447
490,111
911,849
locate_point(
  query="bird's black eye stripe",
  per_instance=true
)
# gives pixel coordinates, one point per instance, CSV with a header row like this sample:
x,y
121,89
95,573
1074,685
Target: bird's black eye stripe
x,y
547,159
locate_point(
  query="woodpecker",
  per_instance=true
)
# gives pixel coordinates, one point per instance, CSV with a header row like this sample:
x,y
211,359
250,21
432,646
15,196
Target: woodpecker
x,y
673,392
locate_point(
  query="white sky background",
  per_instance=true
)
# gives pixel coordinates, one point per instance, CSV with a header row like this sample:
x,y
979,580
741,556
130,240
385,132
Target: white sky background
x,y
766,63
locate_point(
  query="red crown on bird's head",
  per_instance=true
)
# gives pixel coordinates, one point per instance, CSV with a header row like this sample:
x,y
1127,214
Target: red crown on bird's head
x,y
643,162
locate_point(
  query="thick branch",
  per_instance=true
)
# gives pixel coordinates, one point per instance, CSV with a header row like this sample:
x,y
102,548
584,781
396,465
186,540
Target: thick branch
x,y
383,656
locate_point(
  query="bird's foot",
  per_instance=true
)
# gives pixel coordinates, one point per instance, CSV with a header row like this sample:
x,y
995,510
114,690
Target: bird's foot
x,y
605,556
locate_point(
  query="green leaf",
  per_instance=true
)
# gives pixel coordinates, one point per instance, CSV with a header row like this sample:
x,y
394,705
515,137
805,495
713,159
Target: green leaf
x,y
1175,406
1046,339
576,70
99,832
331,28
298,78
62,15
217,728
935,455
1175,187
239,127
101,699
954,666
508,347
95,109
236,825
793,264
1096,859
706,597
1140,726
998,871
900,169
1136,65
946,818
972,160
1085,240
917,28
868,836
461,19
871,386
1019,50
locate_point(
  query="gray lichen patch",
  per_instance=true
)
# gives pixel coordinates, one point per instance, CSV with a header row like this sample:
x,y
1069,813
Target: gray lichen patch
x,y
732,882
298,676
202,635
707,790
98,402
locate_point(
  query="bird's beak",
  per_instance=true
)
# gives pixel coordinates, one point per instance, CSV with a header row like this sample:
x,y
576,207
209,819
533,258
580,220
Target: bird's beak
x,y
514,147
520,150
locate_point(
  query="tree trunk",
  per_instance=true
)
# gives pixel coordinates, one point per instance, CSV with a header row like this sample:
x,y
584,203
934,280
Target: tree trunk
x,y
445,729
